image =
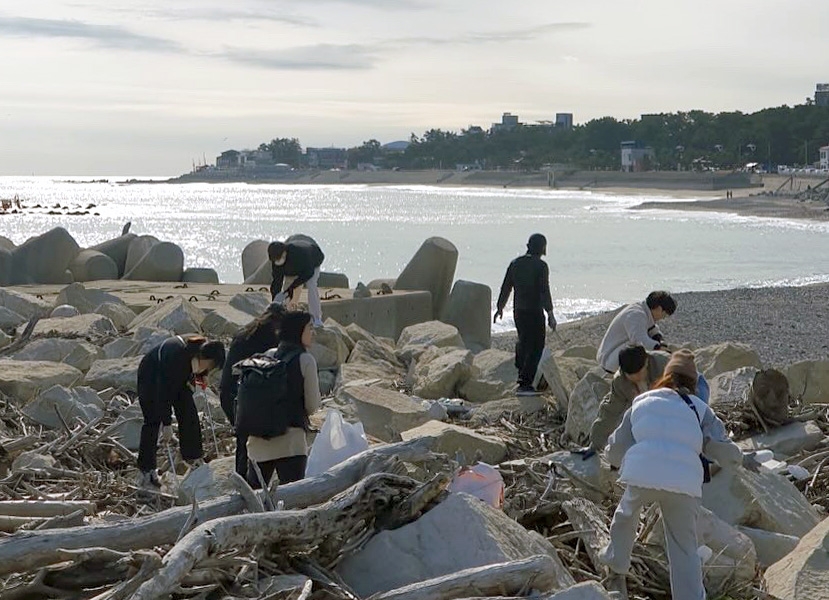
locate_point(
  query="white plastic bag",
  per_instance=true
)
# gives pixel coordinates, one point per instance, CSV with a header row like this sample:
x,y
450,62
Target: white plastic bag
x,y
337,441
482,481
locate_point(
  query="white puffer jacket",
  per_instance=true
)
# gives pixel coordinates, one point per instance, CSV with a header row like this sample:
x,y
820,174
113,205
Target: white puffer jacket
x,y
668,440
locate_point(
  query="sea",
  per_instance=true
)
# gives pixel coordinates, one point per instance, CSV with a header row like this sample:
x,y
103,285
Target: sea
x,y
601,254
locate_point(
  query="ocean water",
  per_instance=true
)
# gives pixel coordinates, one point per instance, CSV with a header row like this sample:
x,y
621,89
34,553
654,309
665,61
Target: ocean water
x,y
601,254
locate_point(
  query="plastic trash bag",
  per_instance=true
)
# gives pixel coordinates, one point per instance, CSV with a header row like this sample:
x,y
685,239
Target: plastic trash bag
x,y
482,481
336,442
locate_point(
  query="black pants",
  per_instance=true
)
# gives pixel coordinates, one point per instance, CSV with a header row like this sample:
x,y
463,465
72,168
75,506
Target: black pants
x,y
189,429
241,454
531,338
288,469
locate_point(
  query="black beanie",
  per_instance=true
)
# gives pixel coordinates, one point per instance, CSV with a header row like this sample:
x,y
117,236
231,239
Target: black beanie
x,y
293,323
537,244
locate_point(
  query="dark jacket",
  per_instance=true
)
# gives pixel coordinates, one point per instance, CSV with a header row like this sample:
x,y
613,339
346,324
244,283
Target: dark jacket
x,y
529,276
302,256
297,416
165,375
242,347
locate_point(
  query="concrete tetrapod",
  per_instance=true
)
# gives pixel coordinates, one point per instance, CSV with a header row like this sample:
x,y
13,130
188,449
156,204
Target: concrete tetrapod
x,y
469,309
432,268
91,265
45,258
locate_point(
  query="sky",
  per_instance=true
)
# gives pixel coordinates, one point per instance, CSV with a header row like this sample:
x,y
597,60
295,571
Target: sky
x,y
119,87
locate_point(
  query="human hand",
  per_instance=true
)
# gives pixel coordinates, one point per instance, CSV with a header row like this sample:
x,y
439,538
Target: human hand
x,y
167,434
499,314
551,321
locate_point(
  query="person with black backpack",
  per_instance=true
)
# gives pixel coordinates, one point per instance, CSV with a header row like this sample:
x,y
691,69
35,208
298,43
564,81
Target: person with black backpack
x,y
257,337
277,393
167,376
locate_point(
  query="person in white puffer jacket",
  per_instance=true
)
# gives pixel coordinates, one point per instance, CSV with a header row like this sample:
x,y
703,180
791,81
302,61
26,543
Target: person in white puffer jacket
x,y
658,450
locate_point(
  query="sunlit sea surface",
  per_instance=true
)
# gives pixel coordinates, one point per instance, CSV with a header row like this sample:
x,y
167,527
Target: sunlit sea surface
x,y
600,253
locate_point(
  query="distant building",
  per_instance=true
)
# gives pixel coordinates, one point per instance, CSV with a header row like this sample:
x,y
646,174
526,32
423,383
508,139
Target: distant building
x,y
327,158
824,158
636,157
255,159
822,94
508,122
229,159
564,120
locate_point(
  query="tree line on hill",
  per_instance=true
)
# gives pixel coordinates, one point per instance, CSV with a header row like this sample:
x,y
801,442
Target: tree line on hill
x,y
681,140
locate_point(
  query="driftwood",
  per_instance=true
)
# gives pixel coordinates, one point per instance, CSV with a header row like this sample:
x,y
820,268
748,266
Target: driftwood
x,y
513,578
371,504
24,552
22,340
44,508
590,521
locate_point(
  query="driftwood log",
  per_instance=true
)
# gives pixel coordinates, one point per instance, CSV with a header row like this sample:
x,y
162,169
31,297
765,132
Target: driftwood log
x,y
23,552
590,521
512,578
379,501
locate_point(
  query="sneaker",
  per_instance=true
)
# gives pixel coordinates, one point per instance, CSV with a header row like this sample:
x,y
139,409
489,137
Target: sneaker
x,y
148,479
527,390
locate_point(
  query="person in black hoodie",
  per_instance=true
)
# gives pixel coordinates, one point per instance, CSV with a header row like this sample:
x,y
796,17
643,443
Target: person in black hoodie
x,y
166,379
259,336
299,257
529,276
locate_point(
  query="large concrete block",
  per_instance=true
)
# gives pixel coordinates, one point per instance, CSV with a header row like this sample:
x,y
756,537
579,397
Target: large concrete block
x,y
174,314
77,403
117,249
432,269
450,439
118,373
76,353
385,414
803,574
23,380
459,533
469,309
728,356
89,326
254,255
137,249
333,280
91,265
384,316
44,258
163,262
200,275
85,299
761,500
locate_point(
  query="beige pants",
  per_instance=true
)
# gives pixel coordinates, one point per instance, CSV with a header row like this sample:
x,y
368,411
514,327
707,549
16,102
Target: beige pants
x,y
679,516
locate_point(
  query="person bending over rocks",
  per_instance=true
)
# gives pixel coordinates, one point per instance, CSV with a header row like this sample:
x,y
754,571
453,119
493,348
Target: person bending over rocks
x,y
296,262
167,376
529,276
258,336
658,448
287,454
635,324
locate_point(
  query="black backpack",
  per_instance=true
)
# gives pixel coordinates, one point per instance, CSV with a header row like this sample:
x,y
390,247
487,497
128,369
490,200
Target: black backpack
x,y
263,403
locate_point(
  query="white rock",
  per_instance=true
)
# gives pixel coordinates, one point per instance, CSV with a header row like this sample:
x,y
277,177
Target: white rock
x,y
252,303
127,427
26,305
804,573
10,319
119,373
357,333
82,326
148,338
584,405
332,324
77,353
63,311
120,348
174,314
385,414
587,352
370,351
770,546
85,299
23,380
210,480
450,439
786,441
731,386
459,533
333,340
809,380
121,315
225,321
728,356
415,339
493,376
76,403
440,372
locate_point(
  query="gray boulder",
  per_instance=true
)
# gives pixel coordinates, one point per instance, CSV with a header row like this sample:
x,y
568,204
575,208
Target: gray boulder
x,y
803,574
174,314
127,427
770,547
786,441
333,280
432,268
451,439
64,311
439,372
252,303
254,255
200,275
9,319
6,266
117,249
469,308
584,405
7,244
23,380
385,414
137,249
459,533
76,403
120,348
5,339
44,258
25,305
731,387
83,326
332,324
121,315
118,373
76,353
91,265
493,376
149,337
225,321
329,348
163,262
809,380
415,339
208,481
85,299
357,333
728,356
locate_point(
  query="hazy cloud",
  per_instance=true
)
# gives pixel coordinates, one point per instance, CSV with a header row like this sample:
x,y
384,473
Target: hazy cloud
x,y
381,4
108,36
494,37
319,57
216,13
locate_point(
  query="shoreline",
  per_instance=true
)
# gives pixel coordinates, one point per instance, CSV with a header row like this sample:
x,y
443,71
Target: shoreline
x,y
776,207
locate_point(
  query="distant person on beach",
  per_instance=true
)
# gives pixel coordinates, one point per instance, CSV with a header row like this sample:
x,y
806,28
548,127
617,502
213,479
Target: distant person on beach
x,y
258,336
659,448
167,376
296,262
287,454
635,324
529,276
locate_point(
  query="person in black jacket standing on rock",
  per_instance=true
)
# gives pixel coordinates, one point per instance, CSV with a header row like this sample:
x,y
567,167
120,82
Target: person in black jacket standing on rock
x,y
259,336
298,258
166,379
529,276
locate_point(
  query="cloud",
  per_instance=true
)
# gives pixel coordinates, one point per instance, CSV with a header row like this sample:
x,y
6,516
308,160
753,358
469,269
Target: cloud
x,y
319,57
493,37
379,4
217,13
107,36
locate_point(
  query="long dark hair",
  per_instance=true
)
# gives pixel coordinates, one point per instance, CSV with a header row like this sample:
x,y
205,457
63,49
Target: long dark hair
x,y
676,381
266,324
